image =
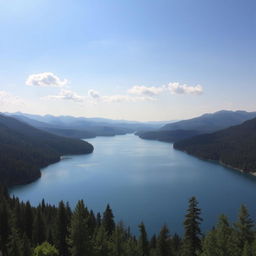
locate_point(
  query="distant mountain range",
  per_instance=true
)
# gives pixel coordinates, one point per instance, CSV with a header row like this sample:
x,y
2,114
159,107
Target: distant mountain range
x,y
234,146
24,150
81,127
206,123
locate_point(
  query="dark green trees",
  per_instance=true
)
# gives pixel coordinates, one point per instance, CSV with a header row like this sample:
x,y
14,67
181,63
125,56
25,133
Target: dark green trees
x,y
164,242
143,241
192,237
61,229
79,237
108,220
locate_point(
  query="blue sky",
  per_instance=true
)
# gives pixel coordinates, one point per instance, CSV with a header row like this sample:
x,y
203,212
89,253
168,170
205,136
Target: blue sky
x,y
127,59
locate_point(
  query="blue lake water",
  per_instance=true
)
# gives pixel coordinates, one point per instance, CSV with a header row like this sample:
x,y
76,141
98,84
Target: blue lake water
x,y
143,180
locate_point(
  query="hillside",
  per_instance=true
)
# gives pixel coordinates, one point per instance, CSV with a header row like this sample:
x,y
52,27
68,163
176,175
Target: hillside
x,y
206,123
24,150
235,146
81,127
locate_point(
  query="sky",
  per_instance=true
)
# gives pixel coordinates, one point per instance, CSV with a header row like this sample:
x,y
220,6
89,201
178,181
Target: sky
x,y
127,59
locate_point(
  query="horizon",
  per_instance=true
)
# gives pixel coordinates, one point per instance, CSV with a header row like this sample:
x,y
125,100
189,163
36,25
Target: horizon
x,y
137,61
127,120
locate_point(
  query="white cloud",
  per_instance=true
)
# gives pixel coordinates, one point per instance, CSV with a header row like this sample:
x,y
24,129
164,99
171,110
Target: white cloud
x,y
93,94
45,79
177,88
67,95
96,97
124,98
145,91
9,99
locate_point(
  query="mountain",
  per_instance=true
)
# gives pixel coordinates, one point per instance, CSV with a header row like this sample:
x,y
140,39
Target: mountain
x,y
24,150
234,146
81,127
211,122
206,123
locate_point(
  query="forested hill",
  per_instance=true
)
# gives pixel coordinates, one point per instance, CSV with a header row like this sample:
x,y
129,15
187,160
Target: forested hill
x,y
24,150
206,123
235,146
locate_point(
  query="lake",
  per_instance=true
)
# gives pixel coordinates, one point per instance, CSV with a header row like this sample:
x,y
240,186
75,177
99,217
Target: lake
x,y
143,180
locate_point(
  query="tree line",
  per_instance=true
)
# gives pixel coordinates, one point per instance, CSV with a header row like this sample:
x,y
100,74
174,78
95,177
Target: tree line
x,y
60,231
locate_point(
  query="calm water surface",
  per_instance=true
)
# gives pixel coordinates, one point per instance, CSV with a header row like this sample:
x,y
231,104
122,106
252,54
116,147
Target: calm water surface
x,y
143,180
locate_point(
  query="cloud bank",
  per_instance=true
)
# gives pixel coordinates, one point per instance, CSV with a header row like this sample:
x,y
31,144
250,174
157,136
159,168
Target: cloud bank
x,y
177,88
45,79
67,95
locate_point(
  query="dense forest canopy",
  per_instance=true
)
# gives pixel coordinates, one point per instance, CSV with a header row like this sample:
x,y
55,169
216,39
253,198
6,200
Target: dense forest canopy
x,y
24,150
235,146
60,231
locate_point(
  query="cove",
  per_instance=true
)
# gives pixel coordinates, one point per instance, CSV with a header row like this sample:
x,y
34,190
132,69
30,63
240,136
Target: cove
x,y
145,181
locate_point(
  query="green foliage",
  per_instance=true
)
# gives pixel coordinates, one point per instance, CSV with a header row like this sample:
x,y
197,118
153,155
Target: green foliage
x,y
143,241
192,236
235,146
79,237
45,249
108,220
24,150
61,231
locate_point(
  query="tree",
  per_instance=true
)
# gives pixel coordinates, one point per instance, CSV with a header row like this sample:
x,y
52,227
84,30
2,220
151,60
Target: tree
x,y
14,244
39,228
45,249
28,220
221,240
79,238
108,220
164,242
244,227
4,226
143,241
61,229
192,237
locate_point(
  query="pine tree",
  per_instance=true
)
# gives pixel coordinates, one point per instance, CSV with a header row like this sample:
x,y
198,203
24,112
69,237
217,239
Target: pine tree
x,y
244,227
25,247
28,220
39,228
4,225
143,241
108,220
14,244
192,237
164,242
61,230
101,246
79,237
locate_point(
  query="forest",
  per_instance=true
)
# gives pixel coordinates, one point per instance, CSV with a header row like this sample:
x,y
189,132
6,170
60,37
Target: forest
x,y
234,146
24,150
48,230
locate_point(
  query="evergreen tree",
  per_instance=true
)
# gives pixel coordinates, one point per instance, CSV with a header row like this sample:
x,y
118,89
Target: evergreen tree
x,y
28,220
143,241
61,229
14,244
5,229
39,228
108,220
26,247
244,227
164,242
221,240
79,238
192,236
101,246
